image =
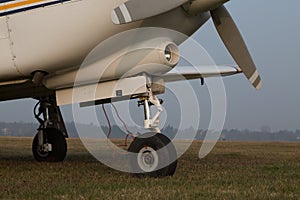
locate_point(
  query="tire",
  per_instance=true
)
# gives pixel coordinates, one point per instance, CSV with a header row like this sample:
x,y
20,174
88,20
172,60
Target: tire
x,y
172,152
59,146
150,159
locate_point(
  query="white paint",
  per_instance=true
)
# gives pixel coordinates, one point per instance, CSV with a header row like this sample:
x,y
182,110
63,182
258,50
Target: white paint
x,y
125,13
141,159
3,29
7,70
254,76
129,86
57,38
114,17
259,85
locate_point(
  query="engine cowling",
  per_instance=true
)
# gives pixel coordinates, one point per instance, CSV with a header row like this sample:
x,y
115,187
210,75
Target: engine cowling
x,y
154,56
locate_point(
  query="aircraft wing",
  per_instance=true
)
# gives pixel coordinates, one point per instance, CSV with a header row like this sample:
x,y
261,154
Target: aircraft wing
x,y
20,89
187,73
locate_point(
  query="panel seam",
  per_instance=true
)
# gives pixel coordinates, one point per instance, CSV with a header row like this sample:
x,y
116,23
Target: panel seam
x,y
11,45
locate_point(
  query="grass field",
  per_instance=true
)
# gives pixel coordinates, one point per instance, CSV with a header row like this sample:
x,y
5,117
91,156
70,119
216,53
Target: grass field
x,y
234,170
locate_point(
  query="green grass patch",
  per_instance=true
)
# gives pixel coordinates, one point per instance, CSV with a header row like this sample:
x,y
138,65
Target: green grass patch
x,y
233,170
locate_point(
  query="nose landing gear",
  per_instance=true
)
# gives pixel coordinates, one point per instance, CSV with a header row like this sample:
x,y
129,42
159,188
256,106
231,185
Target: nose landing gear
x,y
154,154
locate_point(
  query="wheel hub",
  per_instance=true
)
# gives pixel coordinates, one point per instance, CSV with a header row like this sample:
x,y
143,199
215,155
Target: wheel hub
x,y
148,159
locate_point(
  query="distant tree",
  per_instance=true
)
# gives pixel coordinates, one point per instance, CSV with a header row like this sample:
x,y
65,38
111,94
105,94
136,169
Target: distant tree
x,y
265,129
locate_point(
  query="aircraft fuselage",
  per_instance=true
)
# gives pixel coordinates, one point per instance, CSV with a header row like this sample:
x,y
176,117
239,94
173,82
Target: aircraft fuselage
x,y
57,38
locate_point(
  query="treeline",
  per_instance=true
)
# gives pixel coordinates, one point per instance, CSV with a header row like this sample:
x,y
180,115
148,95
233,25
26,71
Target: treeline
x,y
90,130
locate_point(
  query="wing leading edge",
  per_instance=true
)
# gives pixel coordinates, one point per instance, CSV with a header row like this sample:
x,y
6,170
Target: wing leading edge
x,y
180,73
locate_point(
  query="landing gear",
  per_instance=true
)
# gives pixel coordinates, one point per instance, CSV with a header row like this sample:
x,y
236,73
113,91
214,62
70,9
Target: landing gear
x,y
172,153
154,156
154,153
53,148
49,144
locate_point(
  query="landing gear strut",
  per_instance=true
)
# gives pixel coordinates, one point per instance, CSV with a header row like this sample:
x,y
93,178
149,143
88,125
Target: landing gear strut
x,y
154,153
49,144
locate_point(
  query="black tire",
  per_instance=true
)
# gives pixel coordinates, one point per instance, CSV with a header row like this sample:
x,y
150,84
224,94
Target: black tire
x,y
59,146
172,152
150,158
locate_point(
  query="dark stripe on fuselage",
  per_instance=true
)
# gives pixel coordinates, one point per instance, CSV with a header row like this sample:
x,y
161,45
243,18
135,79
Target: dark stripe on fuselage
x,y
32,7
4,1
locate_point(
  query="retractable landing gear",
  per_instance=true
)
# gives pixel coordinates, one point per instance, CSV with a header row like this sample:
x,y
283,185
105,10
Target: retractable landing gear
x,y
155,155
49,144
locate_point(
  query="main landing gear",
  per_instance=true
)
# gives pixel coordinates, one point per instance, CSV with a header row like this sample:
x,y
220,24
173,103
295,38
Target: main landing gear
x,y
49,144
154,154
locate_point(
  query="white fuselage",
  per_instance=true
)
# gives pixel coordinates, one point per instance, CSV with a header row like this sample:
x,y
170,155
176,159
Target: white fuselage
x,y
57,38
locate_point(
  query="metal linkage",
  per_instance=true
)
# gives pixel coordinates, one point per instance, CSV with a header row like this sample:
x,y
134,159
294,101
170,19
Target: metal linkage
x,y
151,123
41,113
48,115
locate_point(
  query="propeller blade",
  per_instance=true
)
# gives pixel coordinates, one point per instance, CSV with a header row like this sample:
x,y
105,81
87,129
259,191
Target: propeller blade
x,y
134,10
235,44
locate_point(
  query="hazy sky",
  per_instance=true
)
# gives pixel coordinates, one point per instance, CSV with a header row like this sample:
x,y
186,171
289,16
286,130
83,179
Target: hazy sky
x,y
271,30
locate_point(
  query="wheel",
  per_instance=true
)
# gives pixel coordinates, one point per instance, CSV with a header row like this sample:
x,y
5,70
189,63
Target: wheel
x,y
150,159
58,146
172,153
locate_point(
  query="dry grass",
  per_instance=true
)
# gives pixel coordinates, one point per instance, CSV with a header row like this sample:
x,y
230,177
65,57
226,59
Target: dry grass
x,y
234,170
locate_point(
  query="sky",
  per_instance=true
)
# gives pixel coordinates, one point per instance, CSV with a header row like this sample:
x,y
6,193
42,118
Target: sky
x,y
271,31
